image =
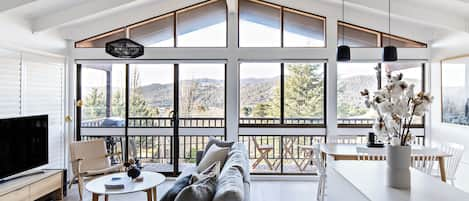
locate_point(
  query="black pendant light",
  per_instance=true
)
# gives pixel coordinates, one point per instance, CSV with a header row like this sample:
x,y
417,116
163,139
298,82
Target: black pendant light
x,y
389,51
343,51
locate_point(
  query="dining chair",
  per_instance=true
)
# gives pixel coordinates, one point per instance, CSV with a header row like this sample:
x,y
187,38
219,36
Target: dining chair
x,y
345,139
264,150
322,173
424,160
451,163
370,154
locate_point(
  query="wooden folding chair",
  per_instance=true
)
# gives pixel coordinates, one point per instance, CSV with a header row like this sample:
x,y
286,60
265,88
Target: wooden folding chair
x,y
264,150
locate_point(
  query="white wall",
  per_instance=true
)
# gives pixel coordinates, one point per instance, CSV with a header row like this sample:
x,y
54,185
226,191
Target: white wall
x,y
449,46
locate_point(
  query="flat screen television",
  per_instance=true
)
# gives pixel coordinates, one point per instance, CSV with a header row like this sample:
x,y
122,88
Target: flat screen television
x,y
23,144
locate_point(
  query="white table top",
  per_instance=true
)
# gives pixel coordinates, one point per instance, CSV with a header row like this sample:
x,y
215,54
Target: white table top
x,y
150,180
351,149
369,179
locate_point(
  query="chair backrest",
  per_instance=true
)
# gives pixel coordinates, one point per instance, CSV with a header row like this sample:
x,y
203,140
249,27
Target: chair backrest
x,y
346,139
254,140
456,151
132,149
371,154
424,160
93,154
317,159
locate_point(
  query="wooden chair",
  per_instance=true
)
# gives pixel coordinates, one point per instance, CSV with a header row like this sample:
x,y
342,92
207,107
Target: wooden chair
x,y
345,139
371,154
451,163
264,150
424,160
90,159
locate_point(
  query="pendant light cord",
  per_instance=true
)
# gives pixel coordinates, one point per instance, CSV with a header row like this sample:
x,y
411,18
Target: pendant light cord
x,y
389,22
343,20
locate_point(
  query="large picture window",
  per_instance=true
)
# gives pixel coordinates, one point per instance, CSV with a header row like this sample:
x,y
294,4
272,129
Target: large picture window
x,y
354,77
264,24
357,36
351,79
282,94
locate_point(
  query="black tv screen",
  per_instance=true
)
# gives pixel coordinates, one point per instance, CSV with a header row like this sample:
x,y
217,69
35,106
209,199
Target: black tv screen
x,y
23,144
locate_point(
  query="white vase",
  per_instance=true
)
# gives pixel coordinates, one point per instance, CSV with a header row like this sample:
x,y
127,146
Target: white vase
x,y
398,163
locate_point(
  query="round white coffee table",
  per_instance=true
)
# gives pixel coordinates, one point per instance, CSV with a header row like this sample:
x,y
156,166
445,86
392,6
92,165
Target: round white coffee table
x,y
150,181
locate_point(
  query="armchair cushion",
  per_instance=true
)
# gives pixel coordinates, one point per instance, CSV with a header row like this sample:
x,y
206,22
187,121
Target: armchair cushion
x,y
115,168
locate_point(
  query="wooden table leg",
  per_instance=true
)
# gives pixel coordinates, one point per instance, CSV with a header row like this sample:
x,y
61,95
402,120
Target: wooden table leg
x,y
149,197
441,161
95,197
154,194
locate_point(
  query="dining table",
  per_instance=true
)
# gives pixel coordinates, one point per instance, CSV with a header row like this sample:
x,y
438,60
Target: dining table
x,y
337,152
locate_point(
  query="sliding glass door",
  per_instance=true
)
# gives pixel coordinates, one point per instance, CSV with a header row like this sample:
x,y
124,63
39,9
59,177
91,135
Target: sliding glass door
x,y
160,114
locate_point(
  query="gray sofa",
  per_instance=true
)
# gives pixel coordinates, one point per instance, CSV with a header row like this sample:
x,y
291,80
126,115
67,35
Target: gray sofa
x,y
234,181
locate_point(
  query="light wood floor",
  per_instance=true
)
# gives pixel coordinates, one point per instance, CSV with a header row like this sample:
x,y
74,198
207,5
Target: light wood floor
x,y
260,191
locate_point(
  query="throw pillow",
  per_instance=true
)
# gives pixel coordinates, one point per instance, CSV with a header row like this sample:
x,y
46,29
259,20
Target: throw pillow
x,y
202,190
212,169
178,185
212,141
214,154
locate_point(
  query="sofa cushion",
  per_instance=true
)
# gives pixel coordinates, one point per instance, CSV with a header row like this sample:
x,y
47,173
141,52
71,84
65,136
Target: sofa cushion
x,y
238,157
178,185
202,190
230,186
212,169
214,154
212,141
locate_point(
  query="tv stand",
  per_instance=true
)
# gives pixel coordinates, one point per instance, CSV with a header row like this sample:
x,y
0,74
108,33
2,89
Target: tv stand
x,y
32,186
21,176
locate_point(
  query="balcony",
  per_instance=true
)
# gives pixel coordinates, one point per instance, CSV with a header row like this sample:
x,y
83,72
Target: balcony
x,y
286,156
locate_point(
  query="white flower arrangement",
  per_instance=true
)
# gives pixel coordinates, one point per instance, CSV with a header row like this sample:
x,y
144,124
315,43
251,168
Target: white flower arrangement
x,y
396,105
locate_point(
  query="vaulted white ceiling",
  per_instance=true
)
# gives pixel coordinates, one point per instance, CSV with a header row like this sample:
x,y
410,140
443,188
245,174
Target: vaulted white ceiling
x,y
76,19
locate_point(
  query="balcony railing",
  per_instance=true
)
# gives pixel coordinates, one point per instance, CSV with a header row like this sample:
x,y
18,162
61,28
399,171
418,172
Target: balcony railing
x,y
156,122
157,147
212,122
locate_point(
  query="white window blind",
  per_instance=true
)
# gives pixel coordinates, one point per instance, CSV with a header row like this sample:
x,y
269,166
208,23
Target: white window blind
x,y
33,85
10,84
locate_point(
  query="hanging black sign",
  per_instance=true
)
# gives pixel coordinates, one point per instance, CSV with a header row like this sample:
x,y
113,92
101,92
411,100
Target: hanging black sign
x,y
124,48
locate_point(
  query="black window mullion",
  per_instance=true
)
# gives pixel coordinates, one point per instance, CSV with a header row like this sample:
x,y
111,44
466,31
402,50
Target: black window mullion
x,y
126,129
282,95
78,107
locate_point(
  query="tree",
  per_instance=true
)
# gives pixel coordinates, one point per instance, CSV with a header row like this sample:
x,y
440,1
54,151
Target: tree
x,y
118,104
262,110
304,91
138,106
247,111
95,106
188,97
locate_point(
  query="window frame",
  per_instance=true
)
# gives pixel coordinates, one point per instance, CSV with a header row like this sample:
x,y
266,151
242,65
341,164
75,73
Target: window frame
x,y
379,84
282,99
126,28
381,35
282,23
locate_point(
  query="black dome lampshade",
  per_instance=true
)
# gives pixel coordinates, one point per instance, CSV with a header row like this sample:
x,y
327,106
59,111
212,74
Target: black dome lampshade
x,y
389,53
343,53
